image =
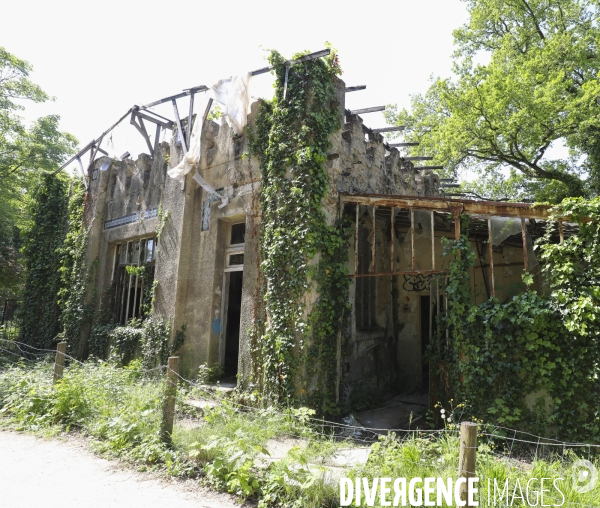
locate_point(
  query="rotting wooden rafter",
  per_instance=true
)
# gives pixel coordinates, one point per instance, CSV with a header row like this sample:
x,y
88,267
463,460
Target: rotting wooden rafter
x,y
138,123
354,88
168,123
373,109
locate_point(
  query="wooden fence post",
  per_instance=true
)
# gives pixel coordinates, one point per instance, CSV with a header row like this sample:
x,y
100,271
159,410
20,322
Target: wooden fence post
x,y
59,362
466,461
169,401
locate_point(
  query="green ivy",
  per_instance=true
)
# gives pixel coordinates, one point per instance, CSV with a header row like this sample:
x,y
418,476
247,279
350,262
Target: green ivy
x,y
299,249
530,363
40,312
73,273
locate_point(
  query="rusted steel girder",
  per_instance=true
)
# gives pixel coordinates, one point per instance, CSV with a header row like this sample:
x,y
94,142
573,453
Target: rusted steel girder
x,y
493,208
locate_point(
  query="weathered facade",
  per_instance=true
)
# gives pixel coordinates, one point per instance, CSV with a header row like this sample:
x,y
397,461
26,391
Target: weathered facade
x,y
203,250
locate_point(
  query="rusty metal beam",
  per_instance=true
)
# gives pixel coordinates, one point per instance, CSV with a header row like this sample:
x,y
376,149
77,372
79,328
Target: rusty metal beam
x,y
393,235
373,242
432,240
355,88
356,241
524,236
407,272
456,211
412,239
446,205
491,251
560,231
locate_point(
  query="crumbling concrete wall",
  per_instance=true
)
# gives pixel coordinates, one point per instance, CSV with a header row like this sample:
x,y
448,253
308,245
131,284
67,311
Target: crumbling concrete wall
x,y
191,257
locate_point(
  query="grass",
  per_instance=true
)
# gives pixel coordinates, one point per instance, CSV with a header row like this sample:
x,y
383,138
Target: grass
x,y
120,410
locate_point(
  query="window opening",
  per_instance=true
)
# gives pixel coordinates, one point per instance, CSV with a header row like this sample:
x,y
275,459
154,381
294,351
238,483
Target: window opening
x,y
365,295
129,287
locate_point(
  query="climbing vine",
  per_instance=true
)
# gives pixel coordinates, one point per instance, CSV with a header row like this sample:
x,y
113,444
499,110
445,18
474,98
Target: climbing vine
x,y
530,363
40,311
299,249
73,272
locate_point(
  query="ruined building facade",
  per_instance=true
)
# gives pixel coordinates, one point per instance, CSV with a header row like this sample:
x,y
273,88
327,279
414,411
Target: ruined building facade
x,y
203,250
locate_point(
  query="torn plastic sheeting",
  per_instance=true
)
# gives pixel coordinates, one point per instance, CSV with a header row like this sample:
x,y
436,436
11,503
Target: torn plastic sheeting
x,y
234,95
192,158
231,93
503,227
424,218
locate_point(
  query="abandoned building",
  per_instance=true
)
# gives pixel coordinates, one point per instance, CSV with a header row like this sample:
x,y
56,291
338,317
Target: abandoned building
x,y
197,230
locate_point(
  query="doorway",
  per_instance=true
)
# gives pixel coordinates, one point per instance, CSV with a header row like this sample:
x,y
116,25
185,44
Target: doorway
x,y
232,327
427,322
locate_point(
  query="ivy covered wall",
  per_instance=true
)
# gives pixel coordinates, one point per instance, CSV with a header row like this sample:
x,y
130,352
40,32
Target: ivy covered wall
x,y
40,312
530,363
302,248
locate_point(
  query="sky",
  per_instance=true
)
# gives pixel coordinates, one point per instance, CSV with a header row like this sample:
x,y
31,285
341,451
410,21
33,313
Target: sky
x,y
99,59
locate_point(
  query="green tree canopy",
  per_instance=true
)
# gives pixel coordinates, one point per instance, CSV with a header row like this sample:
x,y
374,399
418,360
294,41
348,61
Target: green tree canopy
x,y
525,79
25,154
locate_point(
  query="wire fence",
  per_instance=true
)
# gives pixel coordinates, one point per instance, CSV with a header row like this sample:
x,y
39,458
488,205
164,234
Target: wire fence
x,y
495,442
490,434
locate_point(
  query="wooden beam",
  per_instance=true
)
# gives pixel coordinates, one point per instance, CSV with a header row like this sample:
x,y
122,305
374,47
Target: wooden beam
x,y
524,235
374,109
207,110
189,124
404,144
501,209
417,168
85,184
356,240
167,124
355,88
449,185
491,251
141,128
179,128
156,140
418,158
412,239
94,141
394,128
189,91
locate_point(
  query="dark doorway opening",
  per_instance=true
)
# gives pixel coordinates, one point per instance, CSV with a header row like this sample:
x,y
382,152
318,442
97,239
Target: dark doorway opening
x,y
232,332
427,322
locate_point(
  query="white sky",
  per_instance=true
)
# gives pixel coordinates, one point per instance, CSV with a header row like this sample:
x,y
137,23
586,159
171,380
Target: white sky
x,y
99,59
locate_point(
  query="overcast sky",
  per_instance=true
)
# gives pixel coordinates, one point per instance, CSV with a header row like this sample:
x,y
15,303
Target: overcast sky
x,y
98,59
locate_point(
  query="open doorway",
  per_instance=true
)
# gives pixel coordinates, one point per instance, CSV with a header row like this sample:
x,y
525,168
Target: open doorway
x,y
233,281
232,328
427,321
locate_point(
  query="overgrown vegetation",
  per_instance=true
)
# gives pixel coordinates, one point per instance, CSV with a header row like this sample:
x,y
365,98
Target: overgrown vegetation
x,y
227,447
74,272
300,248
39,312
524,81
26,153
532,362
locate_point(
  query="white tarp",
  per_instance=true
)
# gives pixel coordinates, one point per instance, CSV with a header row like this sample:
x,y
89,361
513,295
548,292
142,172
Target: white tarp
x,y
234,98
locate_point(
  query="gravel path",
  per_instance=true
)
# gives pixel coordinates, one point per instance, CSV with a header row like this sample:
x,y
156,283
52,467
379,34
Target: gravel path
x,y
63,474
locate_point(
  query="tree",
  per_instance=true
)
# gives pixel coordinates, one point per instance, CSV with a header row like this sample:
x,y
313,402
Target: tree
x,y
40,312
25,154
537,88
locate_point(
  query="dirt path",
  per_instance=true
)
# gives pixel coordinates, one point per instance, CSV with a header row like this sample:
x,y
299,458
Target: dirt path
x,y
61,473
